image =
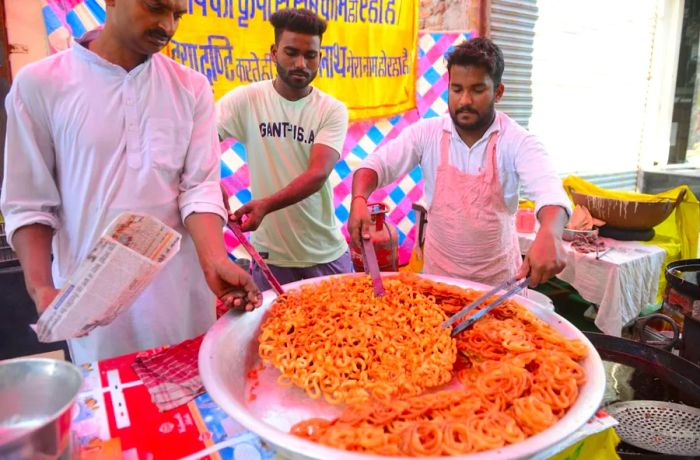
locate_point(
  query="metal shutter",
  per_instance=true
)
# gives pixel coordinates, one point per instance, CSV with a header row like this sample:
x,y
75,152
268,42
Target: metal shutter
x,y
625,180
512,28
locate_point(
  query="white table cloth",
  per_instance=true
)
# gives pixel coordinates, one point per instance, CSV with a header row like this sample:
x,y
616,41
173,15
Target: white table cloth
x,y
621,283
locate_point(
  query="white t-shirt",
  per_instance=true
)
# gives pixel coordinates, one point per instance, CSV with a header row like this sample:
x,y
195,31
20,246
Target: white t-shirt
x,y
278,135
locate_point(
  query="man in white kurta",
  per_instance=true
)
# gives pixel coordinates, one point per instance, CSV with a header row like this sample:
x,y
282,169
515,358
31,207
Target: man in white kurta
x,y
88,139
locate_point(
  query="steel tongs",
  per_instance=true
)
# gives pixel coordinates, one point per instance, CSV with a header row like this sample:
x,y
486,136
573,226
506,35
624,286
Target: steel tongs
x,y
257,258
512,285
371,266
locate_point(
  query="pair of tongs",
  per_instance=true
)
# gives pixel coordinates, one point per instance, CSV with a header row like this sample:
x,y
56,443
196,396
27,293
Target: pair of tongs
x,y
267,273
512,285
371,266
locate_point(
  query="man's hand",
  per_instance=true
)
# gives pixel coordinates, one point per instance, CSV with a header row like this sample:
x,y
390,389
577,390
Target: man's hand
x,y
544,260
233,285
33,247
43,296
364,182
321,162
250,215
546,257
229,282
359,221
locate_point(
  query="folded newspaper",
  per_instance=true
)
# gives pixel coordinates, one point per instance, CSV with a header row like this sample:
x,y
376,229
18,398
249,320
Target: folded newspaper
x,y
118,268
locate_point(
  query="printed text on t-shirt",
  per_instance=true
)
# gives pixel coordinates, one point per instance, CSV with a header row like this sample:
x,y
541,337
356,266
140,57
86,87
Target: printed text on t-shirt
x,y
286,129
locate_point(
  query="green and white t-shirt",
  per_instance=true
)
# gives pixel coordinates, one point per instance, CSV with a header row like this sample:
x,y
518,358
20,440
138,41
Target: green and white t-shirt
x,y
278,135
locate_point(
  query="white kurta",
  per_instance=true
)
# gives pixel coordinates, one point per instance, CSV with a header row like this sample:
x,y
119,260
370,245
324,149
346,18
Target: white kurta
x,y
87,140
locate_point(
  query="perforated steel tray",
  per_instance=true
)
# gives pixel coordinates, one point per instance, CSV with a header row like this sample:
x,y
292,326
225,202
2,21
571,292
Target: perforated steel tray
x,y
666,428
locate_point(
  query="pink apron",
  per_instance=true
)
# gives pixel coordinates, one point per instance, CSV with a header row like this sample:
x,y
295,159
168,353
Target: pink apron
x,y
470,233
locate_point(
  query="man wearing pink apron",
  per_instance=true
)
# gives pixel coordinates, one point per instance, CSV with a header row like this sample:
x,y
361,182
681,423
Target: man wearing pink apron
x,y
473,163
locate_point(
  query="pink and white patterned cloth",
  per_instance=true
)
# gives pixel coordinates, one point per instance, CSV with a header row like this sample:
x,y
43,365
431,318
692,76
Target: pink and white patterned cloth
x,y
171,375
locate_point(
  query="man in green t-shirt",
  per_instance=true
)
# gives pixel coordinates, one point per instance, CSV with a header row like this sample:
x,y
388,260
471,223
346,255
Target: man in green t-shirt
x,y
293,134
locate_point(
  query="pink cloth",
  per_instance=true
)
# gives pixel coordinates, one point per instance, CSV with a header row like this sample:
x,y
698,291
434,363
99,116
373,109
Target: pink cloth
x,y
172,375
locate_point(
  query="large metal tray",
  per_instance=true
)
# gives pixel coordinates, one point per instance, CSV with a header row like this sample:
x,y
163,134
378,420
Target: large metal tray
x,y
230,350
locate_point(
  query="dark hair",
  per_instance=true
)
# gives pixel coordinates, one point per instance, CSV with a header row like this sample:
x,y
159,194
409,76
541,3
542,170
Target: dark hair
x,y
300,20
480,52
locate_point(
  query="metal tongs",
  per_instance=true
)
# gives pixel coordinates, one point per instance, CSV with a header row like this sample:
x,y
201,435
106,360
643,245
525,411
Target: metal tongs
x,y
512,285
238,233
371,266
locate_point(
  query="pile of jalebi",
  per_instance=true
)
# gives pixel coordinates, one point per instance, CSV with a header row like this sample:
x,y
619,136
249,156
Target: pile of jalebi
x,y
451,298
339,340
519,377
450,422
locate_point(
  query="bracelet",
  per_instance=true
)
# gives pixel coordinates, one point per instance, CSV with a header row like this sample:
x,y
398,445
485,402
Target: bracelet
x,y
358,196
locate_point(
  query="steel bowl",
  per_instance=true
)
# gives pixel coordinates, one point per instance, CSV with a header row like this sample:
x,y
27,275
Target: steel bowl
x,y
36,401
230,351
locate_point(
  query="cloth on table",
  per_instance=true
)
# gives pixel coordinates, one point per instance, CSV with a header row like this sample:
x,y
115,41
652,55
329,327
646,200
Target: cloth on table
x,y
621,283
171,375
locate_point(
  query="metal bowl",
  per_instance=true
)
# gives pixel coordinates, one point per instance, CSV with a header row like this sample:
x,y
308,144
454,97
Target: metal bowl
x,y
230,350
36,398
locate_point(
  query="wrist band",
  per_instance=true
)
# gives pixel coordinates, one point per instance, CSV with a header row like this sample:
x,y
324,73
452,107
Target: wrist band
x,y
358,196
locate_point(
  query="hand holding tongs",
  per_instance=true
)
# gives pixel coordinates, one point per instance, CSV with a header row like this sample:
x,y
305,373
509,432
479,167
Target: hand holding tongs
x,y
513,285
238,233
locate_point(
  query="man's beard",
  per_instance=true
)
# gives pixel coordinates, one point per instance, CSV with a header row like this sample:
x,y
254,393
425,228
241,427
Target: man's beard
x,y
285,76
482,122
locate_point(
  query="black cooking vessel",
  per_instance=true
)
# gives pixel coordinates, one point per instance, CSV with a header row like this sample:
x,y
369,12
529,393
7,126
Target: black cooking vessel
x,y
691,286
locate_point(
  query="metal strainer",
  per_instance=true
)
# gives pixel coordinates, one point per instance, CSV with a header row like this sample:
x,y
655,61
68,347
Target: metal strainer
x,y
662,427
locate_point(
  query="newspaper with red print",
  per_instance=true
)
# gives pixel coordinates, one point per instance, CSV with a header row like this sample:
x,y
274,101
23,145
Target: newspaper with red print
x,y
118,268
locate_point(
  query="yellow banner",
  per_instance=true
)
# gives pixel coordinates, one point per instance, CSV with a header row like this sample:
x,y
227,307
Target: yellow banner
x,y
368,52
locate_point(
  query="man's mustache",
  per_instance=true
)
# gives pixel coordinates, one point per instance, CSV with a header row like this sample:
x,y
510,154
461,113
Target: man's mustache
x,y
468,109
159,34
